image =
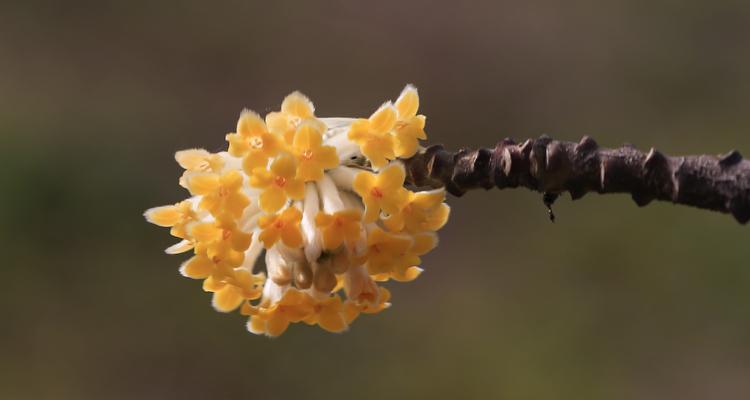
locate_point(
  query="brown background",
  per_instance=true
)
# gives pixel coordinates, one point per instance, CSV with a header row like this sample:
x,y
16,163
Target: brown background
x,y
611,302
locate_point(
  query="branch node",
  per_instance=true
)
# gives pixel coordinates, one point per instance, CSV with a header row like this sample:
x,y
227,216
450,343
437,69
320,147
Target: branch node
x,y
586,145
730,159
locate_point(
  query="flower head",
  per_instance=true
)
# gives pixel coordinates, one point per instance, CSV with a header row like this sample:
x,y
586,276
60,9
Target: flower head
x,y
409,127
322,199
253,141
373,135
295,109
279,183
284,227
384,191
312,157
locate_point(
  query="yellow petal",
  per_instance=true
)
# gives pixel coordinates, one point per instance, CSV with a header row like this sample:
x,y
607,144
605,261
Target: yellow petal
x,y
236,203
392,177
269,237
308,136
423,243
276,324
394,201
371,213
227,298
405,146
437,218
408,102
272,199
241,240
291,236
193,159
250,124
408,275
238,144
212,285
359,130
256,325
278,123
322,219
295,189
231,181
332,320
200,185
198,267
332,238
164,215
327,157
206,232
384,119
261,178
285,166
298,105
180,247
428,199
363,183
379,150
253,160
394,223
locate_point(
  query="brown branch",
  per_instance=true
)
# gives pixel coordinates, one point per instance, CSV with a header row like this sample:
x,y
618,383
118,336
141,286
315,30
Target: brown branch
x,y
719,183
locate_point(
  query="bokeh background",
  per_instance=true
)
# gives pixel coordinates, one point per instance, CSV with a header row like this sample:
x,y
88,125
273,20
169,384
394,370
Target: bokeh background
x,y
612,301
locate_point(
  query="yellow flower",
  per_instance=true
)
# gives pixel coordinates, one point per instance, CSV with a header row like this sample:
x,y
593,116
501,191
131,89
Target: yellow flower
x,y
221,241
373,135
342,226
424,211
284,227
198,160
312,157
177,217
253,141
198,267
373,308
278,184
329,315
233,289
295,109
384,191
410,126
388,252
294,306
222,194
406,275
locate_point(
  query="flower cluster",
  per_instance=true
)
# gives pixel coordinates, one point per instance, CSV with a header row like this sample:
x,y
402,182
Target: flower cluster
x,y
322,198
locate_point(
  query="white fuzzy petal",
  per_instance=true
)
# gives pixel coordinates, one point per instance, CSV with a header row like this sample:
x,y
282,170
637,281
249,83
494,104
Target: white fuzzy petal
x,y
329,195
343,177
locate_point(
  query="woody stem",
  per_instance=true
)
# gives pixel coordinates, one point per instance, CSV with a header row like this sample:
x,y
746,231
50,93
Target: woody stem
x,y
718,183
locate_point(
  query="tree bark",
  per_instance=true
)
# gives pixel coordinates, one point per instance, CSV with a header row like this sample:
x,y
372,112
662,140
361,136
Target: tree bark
x,y
718,183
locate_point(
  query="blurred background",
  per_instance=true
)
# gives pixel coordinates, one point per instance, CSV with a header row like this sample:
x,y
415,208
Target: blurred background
x,y
612,301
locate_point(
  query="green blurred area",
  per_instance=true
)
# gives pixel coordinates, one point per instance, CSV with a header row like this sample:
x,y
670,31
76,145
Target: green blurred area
x,y
612,301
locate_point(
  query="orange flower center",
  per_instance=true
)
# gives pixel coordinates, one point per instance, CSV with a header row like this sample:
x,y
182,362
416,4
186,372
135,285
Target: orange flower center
x,y
256,142
376,192
223,192
278,224
280,181
307,154
226,234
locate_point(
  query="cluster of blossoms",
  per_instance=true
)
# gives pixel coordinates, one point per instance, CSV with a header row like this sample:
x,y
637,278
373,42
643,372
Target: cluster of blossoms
x,y
323,197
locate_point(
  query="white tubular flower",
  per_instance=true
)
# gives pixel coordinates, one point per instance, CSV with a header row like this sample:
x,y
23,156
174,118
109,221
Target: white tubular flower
x,y
324,198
